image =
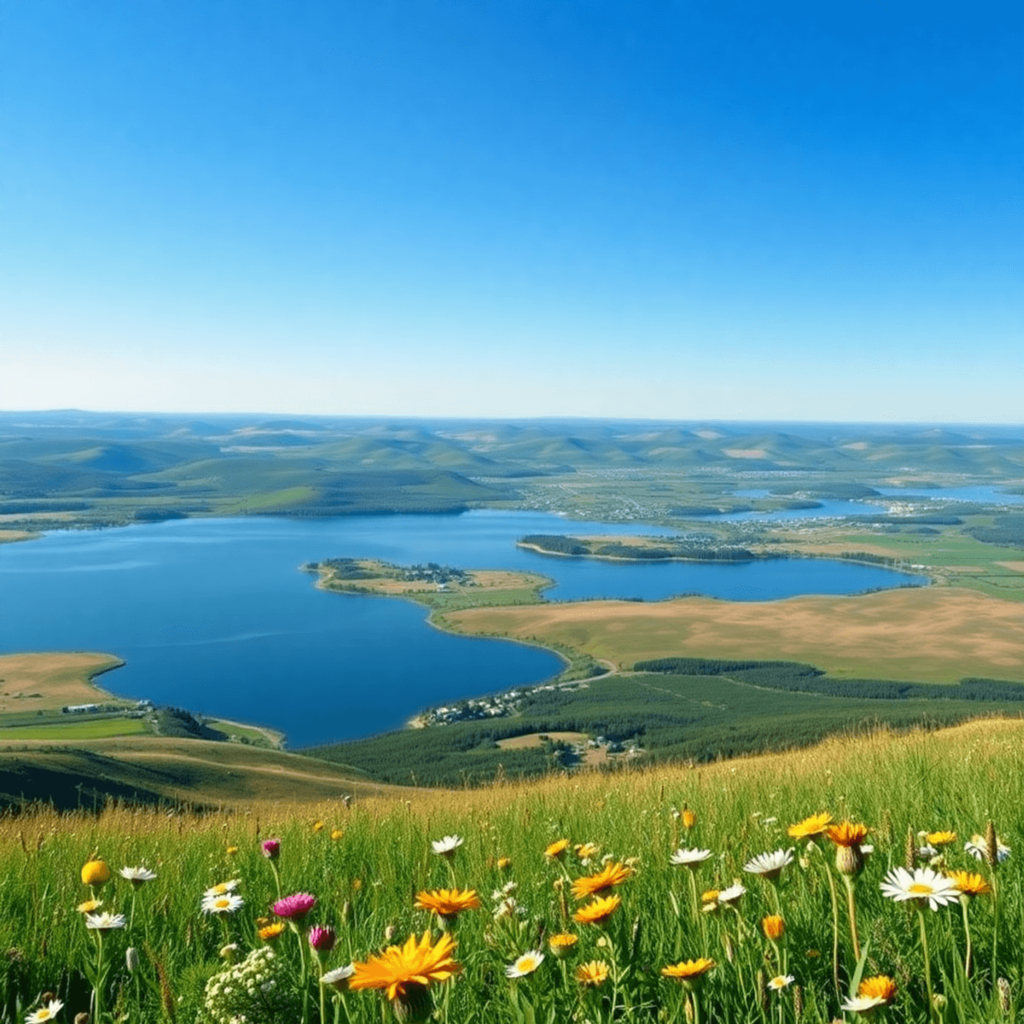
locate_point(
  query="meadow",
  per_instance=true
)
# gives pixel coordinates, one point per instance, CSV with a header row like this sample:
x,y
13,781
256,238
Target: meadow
x,y
639,896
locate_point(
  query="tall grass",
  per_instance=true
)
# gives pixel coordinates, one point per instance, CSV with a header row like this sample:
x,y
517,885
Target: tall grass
x,y
366,862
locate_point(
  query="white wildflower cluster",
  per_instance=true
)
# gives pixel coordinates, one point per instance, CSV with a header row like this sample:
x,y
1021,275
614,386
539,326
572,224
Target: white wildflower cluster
x,y
255,991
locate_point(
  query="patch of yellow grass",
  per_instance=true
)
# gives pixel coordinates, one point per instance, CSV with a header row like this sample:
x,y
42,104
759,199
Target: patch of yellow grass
x,y
46,682
533,739
927,634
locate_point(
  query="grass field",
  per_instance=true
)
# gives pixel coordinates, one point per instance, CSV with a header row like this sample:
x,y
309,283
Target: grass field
x,y
365,866
47,682
74,731
926,634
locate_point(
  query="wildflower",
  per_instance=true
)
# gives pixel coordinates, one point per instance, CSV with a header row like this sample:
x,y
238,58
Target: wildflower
x,y
810,828
504,863
781,981
689,818
47,1012
89,906
104,922
447,903
223,888
769,865
598,911
401,969
978,849
556,851
337,834
137,876
689,972
95,873
732,894
562,944
229,953
447,846
969,884
338,978
226,904
318,826
296,906
585,851
689,858
872,993
923,886
271,848
593,973
940,838
322,939
773,927
848,838
526,964
272,931
612,875
231,851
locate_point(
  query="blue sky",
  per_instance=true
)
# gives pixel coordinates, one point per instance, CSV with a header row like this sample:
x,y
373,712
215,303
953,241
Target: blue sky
x,y
798,211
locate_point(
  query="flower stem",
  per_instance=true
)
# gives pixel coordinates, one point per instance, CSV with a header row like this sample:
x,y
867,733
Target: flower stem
x,y
932,1014
835,927
852,906
964,901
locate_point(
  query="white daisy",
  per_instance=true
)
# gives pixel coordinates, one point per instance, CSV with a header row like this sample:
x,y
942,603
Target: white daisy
x,y
104,922
226,904
689,858
338,978
978,849
769,865
924,885
47,1012
138,876
733,893
781,981
863,1004
223,888
526,964
447,846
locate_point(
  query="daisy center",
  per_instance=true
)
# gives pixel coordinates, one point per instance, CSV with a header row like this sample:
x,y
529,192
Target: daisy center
x,y
920,889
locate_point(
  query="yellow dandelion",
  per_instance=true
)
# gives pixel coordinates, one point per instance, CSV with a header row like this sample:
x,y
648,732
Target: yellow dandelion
x,y
402,969
810,828
447,903
593,973
318,826
689,818
562,944
232,850
847,834
609,877
970,884
504,863
598,911
689,972
940,838
272,931
556,851
773,927
337,834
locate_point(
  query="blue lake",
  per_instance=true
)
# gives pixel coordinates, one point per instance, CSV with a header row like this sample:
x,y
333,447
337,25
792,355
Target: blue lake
x,y
214,614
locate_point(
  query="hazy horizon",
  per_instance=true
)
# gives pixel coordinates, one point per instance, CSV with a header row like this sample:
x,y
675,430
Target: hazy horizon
x,y
513,211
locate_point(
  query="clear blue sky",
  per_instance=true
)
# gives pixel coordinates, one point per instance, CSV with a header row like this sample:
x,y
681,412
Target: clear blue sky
x,y
731,210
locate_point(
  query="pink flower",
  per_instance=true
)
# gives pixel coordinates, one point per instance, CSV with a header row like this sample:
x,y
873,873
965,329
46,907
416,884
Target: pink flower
x,y
271,848
322,939
298,905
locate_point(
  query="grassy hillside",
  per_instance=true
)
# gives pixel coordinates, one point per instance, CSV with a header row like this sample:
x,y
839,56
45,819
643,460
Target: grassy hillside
x,y
363,866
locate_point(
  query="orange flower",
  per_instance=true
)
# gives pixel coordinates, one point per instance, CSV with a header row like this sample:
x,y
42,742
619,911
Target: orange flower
x,y
598,911
401,968
773,927
447,903
689,972
561,945
593,973
847,834
272,931
608,878
879,987
812,827
689,818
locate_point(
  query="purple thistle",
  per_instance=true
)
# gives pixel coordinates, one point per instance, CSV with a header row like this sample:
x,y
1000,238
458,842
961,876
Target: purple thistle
x,y
322,939
271,848
298,905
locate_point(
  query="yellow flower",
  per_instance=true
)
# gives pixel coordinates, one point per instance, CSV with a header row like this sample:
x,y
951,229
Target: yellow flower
x,y
95,873
561,945
689,818
447,903
556,851
89,906
879,987
232,850
587,850
593,973
969,884
689,972
401,968
940,838
318,826
773,926
810,828
607,878
847,834
599,911
504,863
710,896
337,834
271,931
